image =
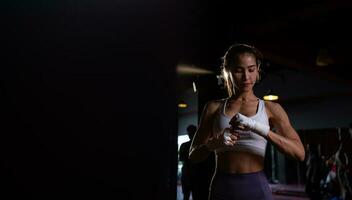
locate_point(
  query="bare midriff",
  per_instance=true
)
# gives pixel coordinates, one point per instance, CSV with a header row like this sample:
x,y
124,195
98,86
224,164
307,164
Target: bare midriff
x,y
239,162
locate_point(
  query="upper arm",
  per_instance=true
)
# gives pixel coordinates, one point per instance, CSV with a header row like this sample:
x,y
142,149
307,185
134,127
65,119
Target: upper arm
x,y
280,120
204,131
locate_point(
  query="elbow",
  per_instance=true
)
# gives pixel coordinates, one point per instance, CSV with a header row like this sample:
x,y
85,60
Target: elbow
x,y
298,155
300,152
301,156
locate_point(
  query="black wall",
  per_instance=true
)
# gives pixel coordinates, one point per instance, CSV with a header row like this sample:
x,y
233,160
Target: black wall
x,y
88,105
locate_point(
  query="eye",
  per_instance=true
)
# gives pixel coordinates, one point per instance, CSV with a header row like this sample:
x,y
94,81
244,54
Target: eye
x,y
237,70
251,69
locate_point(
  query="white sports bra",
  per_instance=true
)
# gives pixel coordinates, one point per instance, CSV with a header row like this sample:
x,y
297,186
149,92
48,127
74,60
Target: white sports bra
x,y
249,141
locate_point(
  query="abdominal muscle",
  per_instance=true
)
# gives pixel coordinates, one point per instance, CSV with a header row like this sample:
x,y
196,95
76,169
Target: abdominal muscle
x,y
239,162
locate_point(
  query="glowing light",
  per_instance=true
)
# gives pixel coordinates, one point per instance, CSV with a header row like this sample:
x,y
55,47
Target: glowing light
x,y
192,69
182,105
271,97
194,87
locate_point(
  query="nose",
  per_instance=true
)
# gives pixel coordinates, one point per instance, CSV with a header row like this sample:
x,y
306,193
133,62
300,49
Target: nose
x,y
245,75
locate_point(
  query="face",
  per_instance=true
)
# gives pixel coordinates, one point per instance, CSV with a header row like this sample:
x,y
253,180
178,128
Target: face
x,y
245,72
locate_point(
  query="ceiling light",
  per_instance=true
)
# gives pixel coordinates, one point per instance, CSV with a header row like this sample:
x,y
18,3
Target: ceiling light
x,y
192,70
271,96
182,104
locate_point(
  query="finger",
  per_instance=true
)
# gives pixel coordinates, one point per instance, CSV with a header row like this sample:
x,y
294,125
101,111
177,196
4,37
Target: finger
x,y
234,137
227,138
238,136
230,143
227,134
241,126
236,133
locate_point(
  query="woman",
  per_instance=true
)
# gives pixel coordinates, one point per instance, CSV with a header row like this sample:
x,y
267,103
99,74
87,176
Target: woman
x,y
237,129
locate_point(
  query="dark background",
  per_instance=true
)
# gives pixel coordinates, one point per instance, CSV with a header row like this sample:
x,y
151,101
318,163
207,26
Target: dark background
x,y
88,88
88,105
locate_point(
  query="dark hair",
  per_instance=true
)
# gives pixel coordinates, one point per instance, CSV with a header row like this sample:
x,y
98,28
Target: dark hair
x,y
230,59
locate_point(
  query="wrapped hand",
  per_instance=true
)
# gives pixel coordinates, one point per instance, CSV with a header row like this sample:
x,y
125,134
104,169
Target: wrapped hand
x,y
245,123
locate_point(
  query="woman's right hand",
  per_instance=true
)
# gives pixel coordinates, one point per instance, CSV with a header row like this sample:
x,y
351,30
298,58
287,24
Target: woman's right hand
x,y
228,137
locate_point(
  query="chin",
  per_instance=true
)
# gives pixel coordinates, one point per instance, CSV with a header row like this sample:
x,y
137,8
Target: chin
x,y
245,89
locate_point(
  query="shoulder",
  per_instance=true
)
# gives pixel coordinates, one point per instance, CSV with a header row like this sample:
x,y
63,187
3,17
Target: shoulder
x,y
274,109
213,105
279,119
273,106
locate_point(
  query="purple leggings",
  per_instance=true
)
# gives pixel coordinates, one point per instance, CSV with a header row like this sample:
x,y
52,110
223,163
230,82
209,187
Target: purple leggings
x,y
248,186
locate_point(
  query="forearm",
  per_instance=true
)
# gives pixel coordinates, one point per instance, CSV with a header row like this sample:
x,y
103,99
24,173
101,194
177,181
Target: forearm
x,y
287,146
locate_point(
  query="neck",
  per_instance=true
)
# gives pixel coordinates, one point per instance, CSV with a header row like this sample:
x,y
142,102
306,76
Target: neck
x,y
244,96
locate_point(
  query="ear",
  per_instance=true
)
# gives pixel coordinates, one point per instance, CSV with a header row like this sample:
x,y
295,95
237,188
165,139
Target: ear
x,y
258,76
259,63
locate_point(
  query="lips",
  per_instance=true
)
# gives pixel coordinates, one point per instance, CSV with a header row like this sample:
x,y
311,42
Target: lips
x,y
246,84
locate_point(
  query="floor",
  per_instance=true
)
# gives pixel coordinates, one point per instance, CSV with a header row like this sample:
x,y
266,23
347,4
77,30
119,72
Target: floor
x,y
280,192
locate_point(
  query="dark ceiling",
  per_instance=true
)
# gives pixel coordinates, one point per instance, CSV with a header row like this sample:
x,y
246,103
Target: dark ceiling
x,y
291,35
